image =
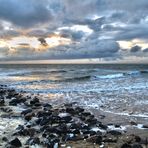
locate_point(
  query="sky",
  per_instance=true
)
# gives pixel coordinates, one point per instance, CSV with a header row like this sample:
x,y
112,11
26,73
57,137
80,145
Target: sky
x,y
74,30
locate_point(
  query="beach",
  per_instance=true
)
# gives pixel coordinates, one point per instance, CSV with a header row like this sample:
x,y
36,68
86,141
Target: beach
x,y
107,105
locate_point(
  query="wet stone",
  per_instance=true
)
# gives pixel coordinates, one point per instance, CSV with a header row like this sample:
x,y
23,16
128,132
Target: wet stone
x,y
136,145
26,111
16,142
33,141
2,102
95,139
114,132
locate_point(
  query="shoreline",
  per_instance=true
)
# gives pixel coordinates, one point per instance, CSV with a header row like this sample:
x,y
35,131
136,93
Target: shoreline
x,y
46,125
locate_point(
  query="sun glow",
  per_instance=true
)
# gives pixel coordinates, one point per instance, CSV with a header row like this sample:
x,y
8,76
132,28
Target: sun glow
x,y
3,43
33,43
129,44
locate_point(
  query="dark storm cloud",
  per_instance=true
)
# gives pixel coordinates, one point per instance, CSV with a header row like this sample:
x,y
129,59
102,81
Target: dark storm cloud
x,y
135,48
42,41
74,35
145,50
24,13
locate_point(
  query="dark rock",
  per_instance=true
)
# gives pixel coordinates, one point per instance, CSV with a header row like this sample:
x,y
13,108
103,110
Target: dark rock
x,y
68,137
95,139
133,123
86,114
34,100
131,139
66,119
114,132
29,116
47,106
45,121
20,127
5,139
125,145
76,131
79,109
102,126
117,126
145,126
16,142
68,105
44,113
26,111
6,109
136,146
137,138
2,102
110,139
14,102
91,121
70,110
26,132
33,141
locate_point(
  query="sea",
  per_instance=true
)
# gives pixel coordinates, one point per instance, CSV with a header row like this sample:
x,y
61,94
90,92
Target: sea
x,y
113,88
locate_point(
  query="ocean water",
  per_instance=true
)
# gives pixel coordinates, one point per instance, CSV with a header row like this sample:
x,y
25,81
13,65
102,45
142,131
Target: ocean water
x,y
114,88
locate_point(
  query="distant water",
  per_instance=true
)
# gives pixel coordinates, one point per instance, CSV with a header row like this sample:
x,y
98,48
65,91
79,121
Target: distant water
x,y
120,88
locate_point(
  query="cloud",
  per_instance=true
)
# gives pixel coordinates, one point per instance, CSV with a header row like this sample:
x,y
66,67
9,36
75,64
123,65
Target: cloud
x,y
43,41
145,50
24,13
3,51
92,49
135,48
74,35
110,21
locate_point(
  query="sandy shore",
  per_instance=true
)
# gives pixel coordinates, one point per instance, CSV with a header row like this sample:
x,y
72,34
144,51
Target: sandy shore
x,y
28,121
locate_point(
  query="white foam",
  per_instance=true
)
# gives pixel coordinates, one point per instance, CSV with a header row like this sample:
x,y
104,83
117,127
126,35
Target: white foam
x,y
121,128
96,129
110,76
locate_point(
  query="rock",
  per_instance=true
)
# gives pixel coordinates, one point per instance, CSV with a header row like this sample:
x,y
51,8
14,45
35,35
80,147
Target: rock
x,y
29,116
136,146
44,113
117,126
6,109
86,114
34,100
14,102
91,121
95,139
2,102
26,111
66,118
114,132
145,126
79,109
125,145
133,123
26,132
68,137
5,139
20,127
102,126
110,140
33,141
16,142
47,106
131,139
76,131
70,110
